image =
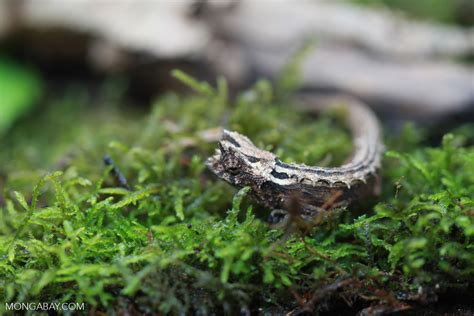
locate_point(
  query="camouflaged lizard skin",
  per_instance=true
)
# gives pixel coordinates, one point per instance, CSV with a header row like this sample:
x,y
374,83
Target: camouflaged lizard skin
x,y
239,162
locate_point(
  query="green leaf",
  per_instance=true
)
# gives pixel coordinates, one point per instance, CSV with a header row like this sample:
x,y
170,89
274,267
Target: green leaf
x,y
236,201
114,191
268,276
21,199
11,253
134,197
201,87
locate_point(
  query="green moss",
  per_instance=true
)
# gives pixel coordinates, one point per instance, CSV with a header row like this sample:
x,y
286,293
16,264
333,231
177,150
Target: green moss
x,y
182,240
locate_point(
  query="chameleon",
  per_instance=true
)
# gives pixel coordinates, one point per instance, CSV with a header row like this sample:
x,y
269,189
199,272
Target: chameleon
x,y
275,183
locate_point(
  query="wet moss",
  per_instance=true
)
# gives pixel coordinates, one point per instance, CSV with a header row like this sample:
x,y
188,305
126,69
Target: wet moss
x,y
183,241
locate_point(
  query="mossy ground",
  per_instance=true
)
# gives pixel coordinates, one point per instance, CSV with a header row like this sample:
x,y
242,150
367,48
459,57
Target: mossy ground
x,y
183,241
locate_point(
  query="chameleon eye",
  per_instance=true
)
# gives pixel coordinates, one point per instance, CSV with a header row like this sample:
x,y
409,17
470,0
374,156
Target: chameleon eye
x,y
232,165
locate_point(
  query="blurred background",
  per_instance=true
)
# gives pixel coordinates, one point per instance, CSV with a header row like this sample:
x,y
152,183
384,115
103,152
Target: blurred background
x,y
409,60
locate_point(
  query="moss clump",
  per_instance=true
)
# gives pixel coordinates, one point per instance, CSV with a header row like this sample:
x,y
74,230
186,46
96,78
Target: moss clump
x,y
183,241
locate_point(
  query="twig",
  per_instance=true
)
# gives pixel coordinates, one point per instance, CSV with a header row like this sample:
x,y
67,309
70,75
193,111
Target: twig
x,y
116,172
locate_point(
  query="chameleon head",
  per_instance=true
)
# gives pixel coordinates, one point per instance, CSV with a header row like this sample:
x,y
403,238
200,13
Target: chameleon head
x,y
239,162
